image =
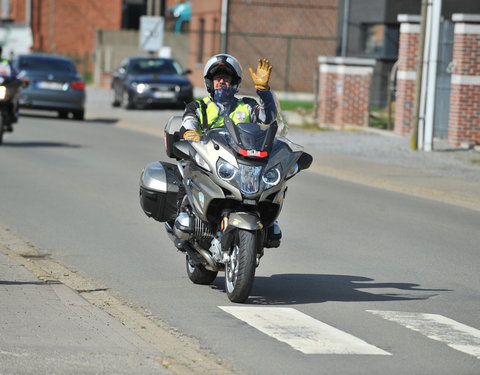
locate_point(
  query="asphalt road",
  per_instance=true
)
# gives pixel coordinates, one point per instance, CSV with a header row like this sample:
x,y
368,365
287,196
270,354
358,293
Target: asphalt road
x,y
357,265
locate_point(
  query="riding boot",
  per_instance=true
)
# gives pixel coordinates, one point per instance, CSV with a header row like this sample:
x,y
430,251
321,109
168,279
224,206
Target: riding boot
x,y
273,235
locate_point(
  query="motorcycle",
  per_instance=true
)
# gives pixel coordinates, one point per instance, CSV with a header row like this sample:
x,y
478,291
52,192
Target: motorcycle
x,y
234,181
9,92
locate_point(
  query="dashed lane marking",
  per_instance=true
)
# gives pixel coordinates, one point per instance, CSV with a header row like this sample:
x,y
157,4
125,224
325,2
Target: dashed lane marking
x,y
301,331
437,327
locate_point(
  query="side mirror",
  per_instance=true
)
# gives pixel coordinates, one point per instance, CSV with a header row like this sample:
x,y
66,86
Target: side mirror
x,y
304,161
188,71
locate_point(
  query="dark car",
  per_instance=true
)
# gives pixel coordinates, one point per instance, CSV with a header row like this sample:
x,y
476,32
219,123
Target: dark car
x,y
54,85
146,81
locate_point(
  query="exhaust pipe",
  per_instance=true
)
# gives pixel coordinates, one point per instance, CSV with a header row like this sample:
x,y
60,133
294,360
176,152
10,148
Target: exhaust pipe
x,y
197,252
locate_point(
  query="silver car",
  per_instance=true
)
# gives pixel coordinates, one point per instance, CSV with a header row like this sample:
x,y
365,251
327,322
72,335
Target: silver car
x,y
54,84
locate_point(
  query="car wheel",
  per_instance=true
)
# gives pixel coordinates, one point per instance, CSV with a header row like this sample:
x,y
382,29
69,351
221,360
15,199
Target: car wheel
x,y
126,101
79,115
115,101
63,114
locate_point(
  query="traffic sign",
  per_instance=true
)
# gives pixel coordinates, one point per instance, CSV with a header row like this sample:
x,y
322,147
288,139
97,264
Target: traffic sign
x,y
151,33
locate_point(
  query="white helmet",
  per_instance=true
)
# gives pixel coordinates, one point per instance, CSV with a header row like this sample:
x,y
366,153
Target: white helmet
x,y
225,63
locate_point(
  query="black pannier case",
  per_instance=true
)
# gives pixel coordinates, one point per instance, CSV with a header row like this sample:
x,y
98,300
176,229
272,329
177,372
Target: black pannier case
x,y
158,191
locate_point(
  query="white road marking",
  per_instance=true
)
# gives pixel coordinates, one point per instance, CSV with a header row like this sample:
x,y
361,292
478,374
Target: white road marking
x,y
437,327
301,331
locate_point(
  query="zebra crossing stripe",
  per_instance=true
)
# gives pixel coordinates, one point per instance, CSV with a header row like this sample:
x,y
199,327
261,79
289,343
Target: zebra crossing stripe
x,y
301,331
437,327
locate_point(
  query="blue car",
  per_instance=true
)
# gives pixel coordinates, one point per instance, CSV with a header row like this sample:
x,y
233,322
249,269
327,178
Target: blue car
x,y
54,84
147,81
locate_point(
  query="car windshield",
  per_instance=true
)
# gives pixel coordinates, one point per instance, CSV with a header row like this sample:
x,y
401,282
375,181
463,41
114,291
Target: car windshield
x,y
155,66
45,63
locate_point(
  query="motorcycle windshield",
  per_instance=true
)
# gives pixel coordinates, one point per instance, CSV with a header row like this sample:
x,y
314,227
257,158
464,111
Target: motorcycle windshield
x,y
251,139
248,139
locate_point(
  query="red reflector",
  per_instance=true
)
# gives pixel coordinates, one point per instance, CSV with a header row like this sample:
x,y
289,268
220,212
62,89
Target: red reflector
x,y
78,85
257,154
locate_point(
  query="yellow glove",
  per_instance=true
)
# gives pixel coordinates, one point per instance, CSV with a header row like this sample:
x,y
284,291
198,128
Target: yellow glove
x,y
191,135
260,79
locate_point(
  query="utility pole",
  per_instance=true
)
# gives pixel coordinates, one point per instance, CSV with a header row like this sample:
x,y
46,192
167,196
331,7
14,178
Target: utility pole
x,y
224,27
346,12
418,78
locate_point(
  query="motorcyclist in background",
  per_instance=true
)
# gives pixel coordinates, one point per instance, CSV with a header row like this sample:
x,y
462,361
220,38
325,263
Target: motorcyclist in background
x,y
8,77
223,76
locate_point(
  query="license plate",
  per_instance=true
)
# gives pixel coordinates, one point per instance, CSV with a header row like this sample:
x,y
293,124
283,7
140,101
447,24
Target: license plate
x,y
163,94
48,85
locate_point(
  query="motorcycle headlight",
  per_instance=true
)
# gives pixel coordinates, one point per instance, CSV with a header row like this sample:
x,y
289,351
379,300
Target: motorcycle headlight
x,y
272,176
201,162
3,92
249,179
225,171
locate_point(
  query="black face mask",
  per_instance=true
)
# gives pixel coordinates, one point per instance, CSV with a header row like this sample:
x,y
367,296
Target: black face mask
x,y
224,94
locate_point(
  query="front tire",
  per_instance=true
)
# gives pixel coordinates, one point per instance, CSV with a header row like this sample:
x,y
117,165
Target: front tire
x,y
240,268
127,102
198,274
115,101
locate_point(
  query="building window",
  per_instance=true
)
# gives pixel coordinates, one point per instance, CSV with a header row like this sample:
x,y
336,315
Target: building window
x,y
380,40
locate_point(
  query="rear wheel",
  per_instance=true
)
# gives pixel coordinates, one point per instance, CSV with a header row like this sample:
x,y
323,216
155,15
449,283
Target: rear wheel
x,y
198,274
240,268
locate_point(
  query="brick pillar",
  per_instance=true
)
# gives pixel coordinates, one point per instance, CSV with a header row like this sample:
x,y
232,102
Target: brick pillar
x,y
406,73
464,120
344,95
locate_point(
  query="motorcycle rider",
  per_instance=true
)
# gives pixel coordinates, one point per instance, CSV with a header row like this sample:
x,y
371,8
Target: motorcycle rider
x,y
7,73
223,77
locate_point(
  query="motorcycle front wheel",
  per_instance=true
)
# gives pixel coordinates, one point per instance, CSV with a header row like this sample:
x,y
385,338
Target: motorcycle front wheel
x,y
198,274
240,268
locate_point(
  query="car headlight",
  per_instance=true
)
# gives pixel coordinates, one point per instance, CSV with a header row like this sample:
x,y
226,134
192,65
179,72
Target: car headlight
x,y
271,177
142,87
201,162
3,92
225,171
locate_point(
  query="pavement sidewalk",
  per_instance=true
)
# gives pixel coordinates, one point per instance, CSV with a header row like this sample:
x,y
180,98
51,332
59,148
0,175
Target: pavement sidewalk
x,y
47,328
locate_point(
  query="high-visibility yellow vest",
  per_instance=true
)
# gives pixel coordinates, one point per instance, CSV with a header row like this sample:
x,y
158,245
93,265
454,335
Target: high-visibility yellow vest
x,y
214,120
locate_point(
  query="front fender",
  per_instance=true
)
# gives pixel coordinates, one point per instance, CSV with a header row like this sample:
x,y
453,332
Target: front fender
x,y
245,220
239,220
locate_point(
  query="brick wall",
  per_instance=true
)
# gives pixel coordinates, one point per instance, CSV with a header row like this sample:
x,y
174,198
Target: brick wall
x,y
406,75
206,17
68,27
344,94
290,33
464,121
